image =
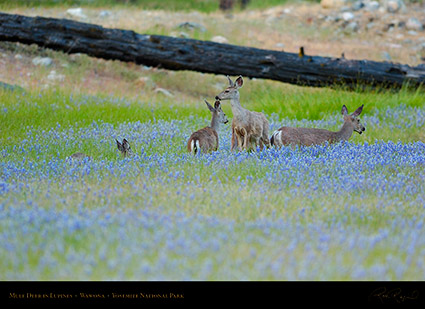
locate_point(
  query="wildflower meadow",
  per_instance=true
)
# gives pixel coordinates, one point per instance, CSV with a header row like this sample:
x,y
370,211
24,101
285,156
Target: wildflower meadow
x,y
347,211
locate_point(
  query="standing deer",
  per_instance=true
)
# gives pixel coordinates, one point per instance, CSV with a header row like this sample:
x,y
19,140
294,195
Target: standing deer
x,y
249,129
206,139
312,136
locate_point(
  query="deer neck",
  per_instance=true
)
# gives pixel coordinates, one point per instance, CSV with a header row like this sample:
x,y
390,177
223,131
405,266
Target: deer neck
x,y
345,132
215,123
235,103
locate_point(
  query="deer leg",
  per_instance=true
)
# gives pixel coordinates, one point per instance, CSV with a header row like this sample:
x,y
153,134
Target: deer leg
x,y
256,141
261,143
240,141
245,142
265,140
237,140
234,140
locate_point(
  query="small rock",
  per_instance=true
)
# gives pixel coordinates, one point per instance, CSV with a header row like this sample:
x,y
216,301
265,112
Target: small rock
x,y
331,4
370,25
77,12
347,16
358,5
280,45
331,18
219,39
389,27
372,6
401,24
192,26
53,76
352,27
386,56
43,61
393,6
183,35
414,24
18,56
75,57
105,14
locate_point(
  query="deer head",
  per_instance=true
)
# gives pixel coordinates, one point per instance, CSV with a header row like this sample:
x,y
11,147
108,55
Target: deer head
x,y
353,119
217,112
231,92
124,147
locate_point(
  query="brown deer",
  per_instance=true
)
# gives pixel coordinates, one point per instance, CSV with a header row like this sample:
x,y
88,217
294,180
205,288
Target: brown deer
x,y
249,129
312,136
206,139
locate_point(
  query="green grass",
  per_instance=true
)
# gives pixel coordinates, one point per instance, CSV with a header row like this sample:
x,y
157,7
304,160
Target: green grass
x,y
46,109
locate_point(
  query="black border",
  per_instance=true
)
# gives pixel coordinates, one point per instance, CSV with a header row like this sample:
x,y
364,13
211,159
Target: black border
x,y
212,292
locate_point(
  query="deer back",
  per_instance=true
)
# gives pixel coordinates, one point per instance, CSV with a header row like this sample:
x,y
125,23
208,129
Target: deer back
x,y
207,139
302,136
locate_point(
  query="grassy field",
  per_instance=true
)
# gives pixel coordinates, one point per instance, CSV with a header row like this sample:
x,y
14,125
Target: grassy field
x,y
349,211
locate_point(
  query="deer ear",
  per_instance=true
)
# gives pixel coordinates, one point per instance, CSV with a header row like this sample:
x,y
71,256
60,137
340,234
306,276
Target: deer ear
x,y
344,110
239,82
125,144
358,111
209,106
217,104
118,144
230,81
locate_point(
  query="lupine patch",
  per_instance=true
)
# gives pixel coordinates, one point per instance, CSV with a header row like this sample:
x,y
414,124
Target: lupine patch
x,y
349,211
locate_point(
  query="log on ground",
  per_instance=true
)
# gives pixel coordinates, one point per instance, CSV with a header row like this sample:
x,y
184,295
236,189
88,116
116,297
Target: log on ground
x,y
204,56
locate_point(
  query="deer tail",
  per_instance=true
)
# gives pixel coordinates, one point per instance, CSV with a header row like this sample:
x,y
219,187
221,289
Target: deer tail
x,y
274,136
194,146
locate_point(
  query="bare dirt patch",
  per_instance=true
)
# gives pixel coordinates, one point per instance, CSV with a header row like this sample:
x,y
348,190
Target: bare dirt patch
x,y
356,33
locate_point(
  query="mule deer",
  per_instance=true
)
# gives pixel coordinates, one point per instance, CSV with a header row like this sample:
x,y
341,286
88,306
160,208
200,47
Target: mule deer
x,y
124,147
249,129
312,136
206,139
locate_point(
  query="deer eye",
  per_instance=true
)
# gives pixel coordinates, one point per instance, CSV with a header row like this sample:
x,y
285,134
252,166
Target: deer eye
x,y
226,91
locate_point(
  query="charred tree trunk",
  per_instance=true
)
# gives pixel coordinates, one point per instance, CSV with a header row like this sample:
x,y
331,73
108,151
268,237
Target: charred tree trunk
x,y
204,56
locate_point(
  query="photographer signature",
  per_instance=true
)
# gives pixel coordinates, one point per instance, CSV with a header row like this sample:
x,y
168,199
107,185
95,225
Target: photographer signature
x,y
396,294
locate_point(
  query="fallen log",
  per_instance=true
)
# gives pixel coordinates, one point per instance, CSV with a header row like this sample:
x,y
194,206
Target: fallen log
x,y
204,56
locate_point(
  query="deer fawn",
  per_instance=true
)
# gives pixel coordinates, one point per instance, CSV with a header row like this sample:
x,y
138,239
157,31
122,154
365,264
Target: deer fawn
x,y
249,129
206,139
124,147
311,136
